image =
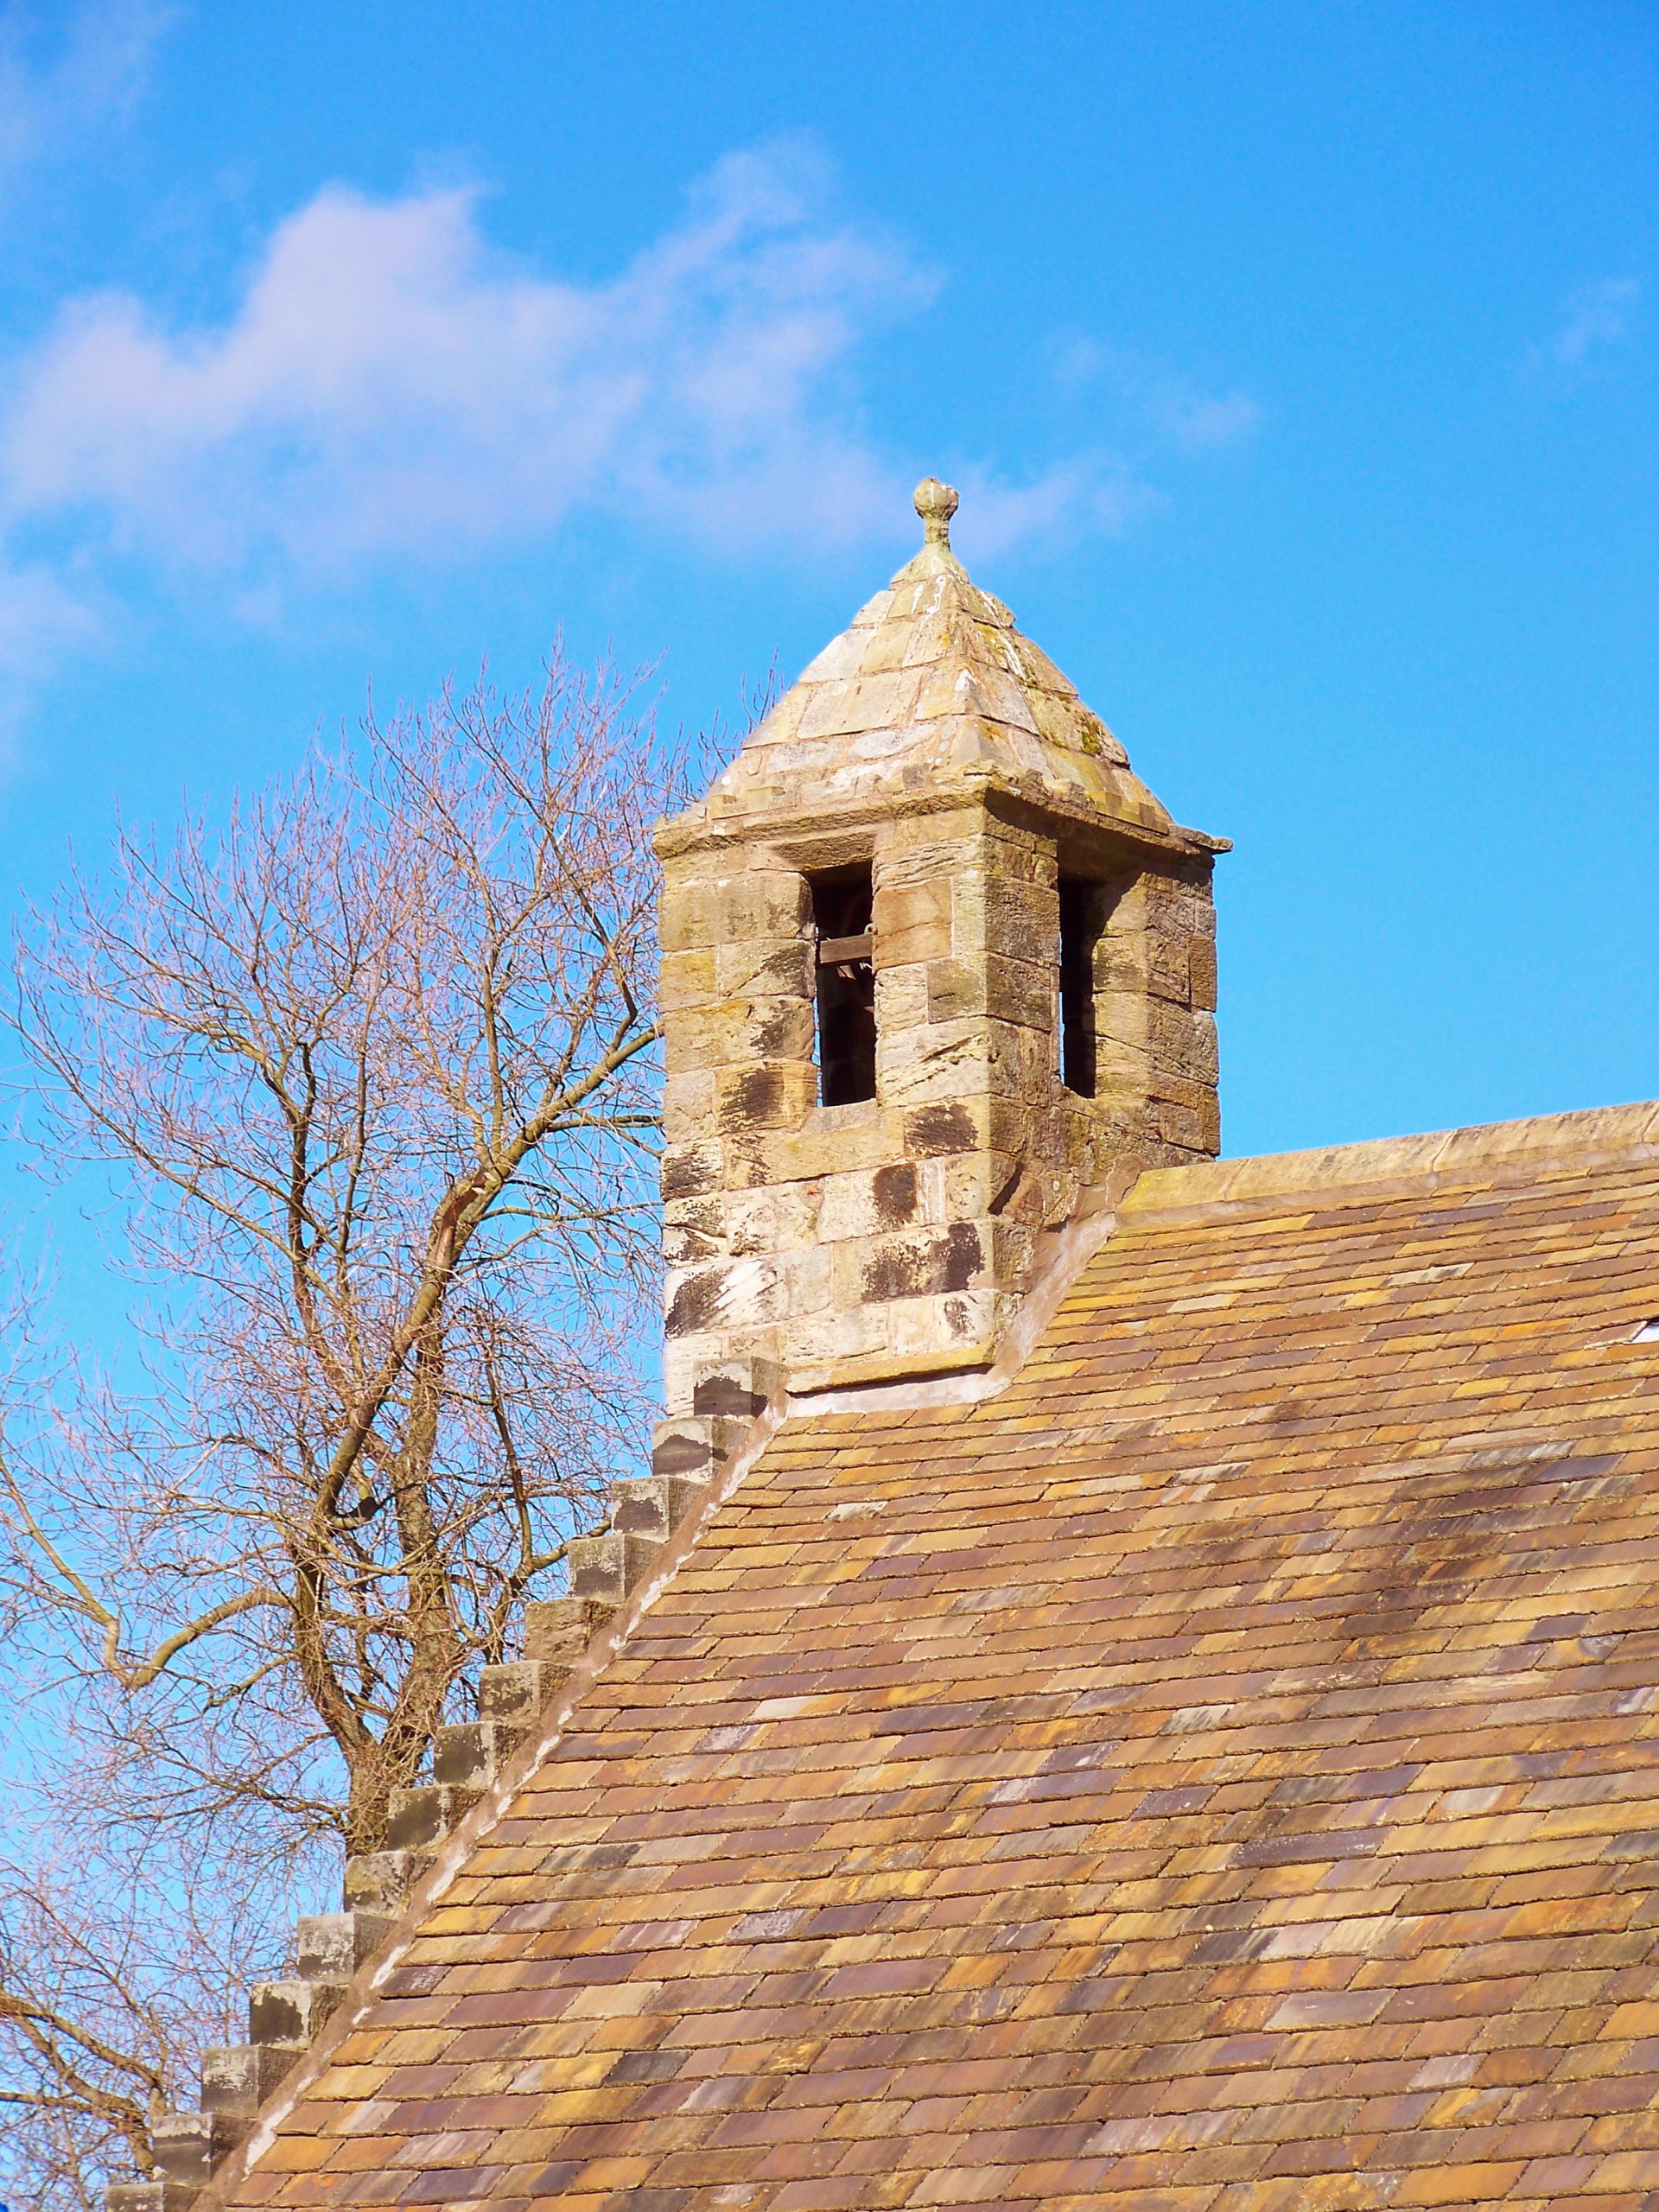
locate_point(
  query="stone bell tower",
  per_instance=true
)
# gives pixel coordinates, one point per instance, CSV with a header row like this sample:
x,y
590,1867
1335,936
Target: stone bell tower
x,y
934,963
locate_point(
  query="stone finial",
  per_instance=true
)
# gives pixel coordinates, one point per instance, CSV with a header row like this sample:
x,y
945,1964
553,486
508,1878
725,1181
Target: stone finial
x,y
935,503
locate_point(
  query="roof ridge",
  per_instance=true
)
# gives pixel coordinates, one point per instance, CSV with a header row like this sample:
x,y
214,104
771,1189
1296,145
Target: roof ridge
x,y
1503,1150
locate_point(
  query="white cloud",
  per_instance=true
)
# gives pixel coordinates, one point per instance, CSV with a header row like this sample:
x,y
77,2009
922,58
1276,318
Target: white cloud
x,y
388,383
1094,494
41,620
387,388
1591,318
1168,402
94,71
1200,424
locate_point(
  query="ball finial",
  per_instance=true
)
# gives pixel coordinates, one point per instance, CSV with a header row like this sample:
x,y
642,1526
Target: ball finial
x,y
935,503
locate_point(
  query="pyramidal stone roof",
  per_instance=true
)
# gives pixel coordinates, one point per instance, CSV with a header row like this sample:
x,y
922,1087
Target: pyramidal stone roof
x,y
931,683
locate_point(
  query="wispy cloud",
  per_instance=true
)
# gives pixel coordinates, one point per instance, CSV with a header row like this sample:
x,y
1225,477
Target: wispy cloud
x,y
41,618
1593,318
388,383
387,389
1093,494
1168,402
57,91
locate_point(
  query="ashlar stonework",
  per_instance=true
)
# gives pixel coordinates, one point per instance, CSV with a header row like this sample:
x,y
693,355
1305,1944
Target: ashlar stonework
x,y
934,746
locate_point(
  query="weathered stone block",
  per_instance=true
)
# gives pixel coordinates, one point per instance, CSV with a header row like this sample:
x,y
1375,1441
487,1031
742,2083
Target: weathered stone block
x,y
1201,970
381,1881
912,922
948,1125
557,1630
863,703
189,2145
653,1505
1169,974
291,2012
766,1095
685,1357
919,1263
684,923
901,999
691,1167
924,1326
688,979
763,903
331,1946
736,1032
235,2082
742,1225
806,1282
1021,921
1184,1042
922,847
853,1333
469,1754
725,1294
688,1244
157,2195
770,967
738,1389
611,1566
421,1815
689,1106
870,1203
695,1300
1181,1127
1122,1018
517,1689
949,1060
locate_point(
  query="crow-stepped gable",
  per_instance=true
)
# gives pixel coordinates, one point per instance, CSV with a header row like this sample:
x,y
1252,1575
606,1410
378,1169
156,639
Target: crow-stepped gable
x,y
935,963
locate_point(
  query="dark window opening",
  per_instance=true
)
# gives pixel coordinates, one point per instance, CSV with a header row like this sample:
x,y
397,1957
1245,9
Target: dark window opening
x,y
846,978
1082,919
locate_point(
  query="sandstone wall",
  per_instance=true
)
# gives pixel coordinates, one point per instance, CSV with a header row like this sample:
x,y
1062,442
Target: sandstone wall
x,y
893,1235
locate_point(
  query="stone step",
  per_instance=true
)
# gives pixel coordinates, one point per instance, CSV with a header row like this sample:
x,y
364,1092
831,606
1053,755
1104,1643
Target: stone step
x,y
422,1815
289,2013
149,2196
237,2079
189,2145
470,1753
696,1446
518,1688
331,1946
608,1566
557,1630
738,1389
654,1505
380,1881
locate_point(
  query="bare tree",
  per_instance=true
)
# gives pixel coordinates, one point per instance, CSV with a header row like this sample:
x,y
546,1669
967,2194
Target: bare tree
x,y
367,1077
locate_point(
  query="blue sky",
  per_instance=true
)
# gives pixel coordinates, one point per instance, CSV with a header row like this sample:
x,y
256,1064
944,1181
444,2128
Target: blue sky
x,y
1298,366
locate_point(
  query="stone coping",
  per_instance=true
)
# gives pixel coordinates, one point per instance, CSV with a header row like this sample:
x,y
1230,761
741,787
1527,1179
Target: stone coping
x,y
1500,1151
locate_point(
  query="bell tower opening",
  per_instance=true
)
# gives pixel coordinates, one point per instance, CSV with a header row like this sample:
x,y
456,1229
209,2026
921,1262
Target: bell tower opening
x,y
844,962
1082,912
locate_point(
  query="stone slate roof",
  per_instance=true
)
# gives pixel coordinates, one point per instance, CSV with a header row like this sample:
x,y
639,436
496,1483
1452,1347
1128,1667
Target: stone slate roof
x,y
1215,1774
